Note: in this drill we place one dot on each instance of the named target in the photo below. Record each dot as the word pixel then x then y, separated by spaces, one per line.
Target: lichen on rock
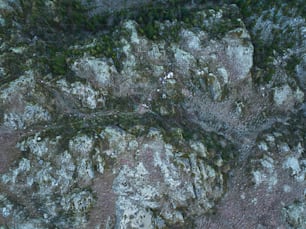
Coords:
pixel 161 173
pixel 295 215
pixel 178 114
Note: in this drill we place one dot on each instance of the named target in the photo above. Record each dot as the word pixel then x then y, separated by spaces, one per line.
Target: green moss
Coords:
pixel 58 64
pixel 14 64
pixel 292 63
pixel 150 17
pixel 64 15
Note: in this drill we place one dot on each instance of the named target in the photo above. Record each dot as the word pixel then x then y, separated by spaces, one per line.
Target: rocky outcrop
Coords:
pixel 295 215
pixel 154 180
pixel 153 125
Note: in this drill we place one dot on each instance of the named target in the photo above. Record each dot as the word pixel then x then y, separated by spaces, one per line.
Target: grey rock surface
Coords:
pixel 295 215
pixel 190 119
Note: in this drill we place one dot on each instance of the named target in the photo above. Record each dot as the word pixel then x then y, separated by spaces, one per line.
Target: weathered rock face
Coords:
pixel 162 181
pixel 154 179
pixel 22 113
pixel 153 125
pixel 295 215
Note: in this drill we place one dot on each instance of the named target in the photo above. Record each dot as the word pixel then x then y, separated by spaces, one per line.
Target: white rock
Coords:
pixel 299 149
pixel 295 214
pixel 4 4
pixel 301 67
pixel 117 139
pixel 192 42
pixel 258 177
pixel 131 27
pixel 263 146
pixel 30 115
pixel 299 95
pixel 18 50
pixel 284 148
pixel 95 70
pixel 65 171
pixel 13 120
pixel 85 169
pixel 199 147
pixel 287 188
pixel 223 74
pixel 18 88
pixel 78 202
pixel 134 217
pixel 268 163
pixel 86 94
pixel 266 173
pixel 184 60
pixel 282 94
pixel 293 164
pixel 81 144
pixel 240 58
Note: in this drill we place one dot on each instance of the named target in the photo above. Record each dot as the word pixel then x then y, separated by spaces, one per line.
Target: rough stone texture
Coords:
pixel 296 215
pixel 151 176
pixel 216 69
pixel 301 70
pixel 188 129
pixel 271 193
pixel 5 7
pixel 163 180
pixel 19 112
pixel 49 178
pixel 101 71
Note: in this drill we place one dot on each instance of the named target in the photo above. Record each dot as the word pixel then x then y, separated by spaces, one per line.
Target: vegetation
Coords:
pixel 265 51
pixel 49 30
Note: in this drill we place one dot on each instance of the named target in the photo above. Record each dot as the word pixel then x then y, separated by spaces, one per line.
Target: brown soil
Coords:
pixel 104 208
pixel 8 151
pixel 247 206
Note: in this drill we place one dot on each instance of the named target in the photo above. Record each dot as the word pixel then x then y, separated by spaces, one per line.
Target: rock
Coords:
pixel 293 164
pixel 6 206
pixel 151 173
pixel 281 95
pixel 4 7
pixel 81 145
pixel 50 175
pixel 191 41
pixel 184 61
pixel 95 70
pixel 199 147
pixel 31 114
pixel 267 175
pixel 129 213
pixel 239 54
pixel 144 133
pixel 38 146
pixel 77 202
pixel 17 89
pixel 285 97
pixel 167 175
pixel 88 97
pixel 301 71
pixel 117 139
pixel 296 214
pixel 22 114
